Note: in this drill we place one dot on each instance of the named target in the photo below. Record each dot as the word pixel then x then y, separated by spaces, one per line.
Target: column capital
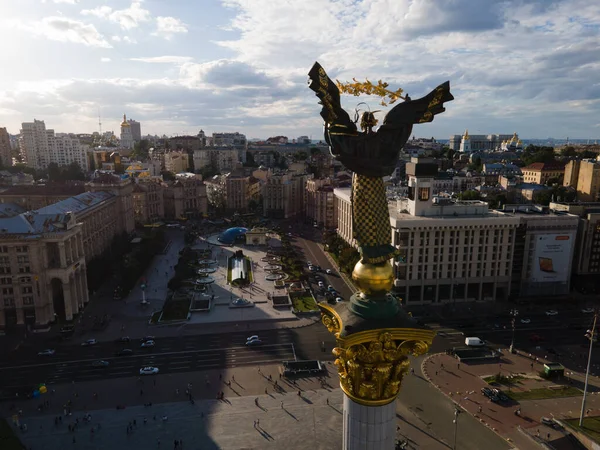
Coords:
pixel 372 356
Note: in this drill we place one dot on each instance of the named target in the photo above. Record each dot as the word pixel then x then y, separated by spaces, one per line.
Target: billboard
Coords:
pixel 551 258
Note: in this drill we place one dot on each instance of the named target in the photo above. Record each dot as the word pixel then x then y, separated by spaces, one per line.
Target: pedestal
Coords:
pixel 369 427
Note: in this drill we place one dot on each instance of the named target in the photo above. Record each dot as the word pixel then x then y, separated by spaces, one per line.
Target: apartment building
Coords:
pixel 148 202
pixel 540 173
pixel 185 198
pixel 5 148
pixel 240 190
pixel 284 194
pixel 177 162
pixel 40 147
pixel 42 269
pixel 584 177
pixel 320 202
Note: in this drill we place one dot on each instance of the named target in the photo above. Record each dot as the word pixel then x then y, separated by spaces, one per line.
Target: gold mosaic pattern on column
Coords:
pixel 371 364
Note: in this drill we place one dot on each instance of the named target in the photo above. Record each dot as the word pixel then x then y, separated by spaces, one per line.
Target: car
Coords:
pixel 124 352
pixel 123 339
pixel 552 312
pixel 329 272
pixel 489 393
pixel 148 370
pixel 587 310
pixel 100 363
pixel 148 344
pixel 339 300
pixel 308 263
pixel 254 342
pixel 251 338
pixel 312 268
pixel 321 284
pixel 47 352
pixel 330 288
pixel 147 338
pixel 526 321
pixel 501 395
pixel 89 342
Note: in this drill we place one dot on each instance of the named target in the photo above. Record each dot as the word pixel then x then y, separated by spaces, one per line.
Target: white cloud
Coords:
pixel 105 60
pixel 164 59
pixel 127 18
pixel 126 39
pixel 71 2
pixel 168 26
pixel 63 29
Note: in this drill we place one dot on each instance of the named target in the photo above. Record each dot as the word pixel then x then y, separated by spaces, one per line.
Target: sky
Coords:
pixel 525 66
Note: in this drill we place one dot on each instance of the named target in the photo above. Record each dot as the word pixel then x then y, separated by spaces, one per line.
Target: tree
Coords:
pixel 300 156
pixel 54 172
pixel 469 195
pixel 168 176
pixel 568 151
pixel 533 154
pixel 141 150
pixel 250 162
pixel 315 151
pixel 475 165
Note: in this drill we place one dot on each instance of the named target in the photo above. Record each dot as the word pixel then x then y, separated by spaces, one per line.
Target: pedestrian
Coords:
pixel 412 370
pixel 134 423
pixel 436 372
pixel 328 401
pixel 480 409
pixel 158 443
pixel 548 436
pixel 141 392
pixel 258 422
pixel 458 366
pixel 299 393
pixel 220 376
pixel 281 405
pixel 266 391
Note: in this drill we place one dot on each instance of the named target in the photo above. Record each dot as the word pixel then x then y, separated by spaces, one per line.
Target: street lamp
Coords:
pixel 591 335
pixel 514 313
pixel 456 414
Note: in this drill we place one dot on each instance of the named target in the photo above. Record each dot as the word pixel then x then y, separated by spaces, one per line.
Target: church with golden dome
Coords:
pixel 126 134
pixel 513 145
pixel 469 143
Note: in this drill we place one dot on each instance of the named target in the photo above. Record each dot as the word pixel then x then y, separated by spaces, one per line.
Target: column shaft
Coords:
pixel 369 427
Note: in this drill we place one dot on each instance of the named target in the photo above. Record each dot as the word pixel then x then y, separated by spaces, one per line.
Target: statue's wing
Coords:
pixel 421 110
pixel 329 94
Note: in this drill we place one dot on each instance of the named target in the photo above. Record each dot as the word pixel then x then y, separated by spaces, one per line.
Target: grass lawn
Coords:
pixel 591 426
pixel 542 393
pixel 502 379
pixel 304 304
pixel 8 438
pixel 155 317
pixel 176 310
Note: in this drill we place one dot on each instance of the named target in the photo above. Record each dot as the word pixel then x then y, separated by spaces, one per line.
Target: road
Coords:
pixel 170 355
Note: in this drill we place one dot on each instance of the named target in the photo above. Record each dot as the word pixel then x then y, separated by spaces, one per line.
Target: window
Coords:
pixel 22 249
pixel 23 259
pixel 3 249
pixel 25 279
pixel 6 280
pixel 28 300
pixel 8 302
pixel 24 269
pixel 7 291
pixel 4 261
pixel 4 270
pixel 423 194
pixel 26 290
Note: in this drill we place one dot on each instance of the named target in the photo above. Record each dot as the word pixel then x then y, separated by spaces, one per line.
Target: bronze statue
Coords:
pixel 372 155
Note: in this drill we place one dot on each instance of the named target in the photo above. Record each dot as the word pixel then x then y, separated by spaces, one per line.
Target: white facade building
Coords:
pixel 67 149
pixel 40 147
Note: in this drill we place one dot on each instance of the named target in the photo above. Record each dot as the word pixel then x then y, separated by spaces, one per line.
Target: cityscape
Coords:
pixel 191 255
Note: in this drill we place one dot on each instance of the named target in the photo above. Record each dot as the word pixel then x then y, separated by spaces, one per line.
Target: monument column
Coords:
pixel 374 335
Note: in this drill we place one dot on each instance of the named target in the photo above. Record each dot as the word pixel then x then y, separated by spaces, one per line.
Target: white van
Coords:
pixel 474 342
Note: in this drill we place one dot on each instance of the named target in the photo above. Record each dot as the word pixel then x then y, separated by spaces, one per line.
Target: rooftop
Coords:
pixel 539 166
pixel 10 210
pixel 48 189
pixel 76 204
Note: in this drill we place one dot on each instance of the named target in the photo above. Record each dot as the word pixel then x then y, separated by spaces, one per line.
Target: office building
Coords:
pixel 478 142
pixel 240 190
pixel 148 202
pixel 284 194
pixel 185 198
pixel 177 161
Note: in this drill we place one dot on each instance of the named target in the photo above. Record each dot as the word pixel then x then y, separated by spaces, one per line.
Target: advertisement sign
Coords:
pixel 551 258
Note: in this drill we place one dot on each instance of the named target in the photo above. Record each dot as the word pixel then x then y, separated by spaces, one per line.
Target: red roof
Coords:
pixel 539 167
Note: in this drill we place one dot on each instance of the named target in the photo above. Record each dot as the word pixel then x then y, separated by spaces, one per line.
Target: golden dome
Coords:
pixel 374 279
pixel 124 123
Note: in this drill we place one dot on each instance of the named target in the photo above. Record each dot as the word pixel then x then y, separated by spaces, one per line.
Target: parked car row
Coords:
pixel 495 395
